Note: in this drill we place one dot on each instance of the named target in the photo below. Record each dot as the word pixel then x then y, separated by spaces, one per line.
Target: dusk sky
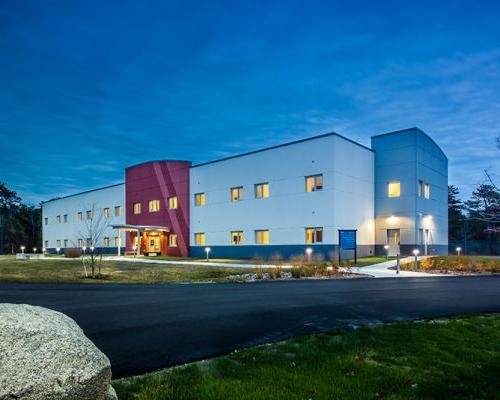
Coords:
pixel 90 87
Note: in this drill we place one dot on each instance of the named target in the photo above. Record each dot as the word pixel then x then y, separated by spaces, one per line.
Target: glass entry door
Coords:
pixel 393 239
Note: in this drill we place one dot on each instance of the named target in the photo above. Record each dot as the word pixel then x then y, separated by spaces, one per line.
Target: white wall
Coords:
pixel 346 201
pixel 107 197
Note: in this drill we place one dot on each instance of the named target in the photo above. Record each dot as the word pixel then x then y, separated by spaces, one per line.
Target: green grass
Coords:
pixel 366 261
pixel 71 271
pixel 442 359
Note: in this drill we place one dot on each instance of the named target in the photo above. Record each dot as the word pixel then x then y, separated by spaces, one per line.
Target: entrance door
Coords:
pixel 393 239
pixel 154 244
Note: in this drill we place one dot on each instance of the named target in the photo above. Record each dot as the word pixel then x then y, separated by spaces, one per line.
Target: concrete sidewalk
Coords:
pixel 382 270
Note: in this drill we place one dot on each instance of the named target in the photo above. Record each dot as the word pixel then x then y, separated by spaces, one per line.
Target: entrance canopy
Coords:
pixel 141 228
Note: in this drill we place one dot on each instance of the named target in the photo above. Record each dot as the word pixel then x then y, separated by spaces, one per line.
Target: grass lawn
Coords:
pixel 366 261
pixel 70 270
pixel 457 265
pixel 438 359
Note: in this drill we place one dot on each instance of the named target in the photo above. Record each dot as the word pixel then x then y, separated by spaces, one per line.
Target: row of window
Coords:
pixel 394 189
pixel 312 235
pixel 89 215
pixel 154 205
pixel 106 242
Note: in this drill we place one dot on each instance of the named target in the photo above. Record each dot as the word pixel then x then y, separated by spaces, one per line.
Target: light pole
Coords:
pixel 22 249
pixel 416 252
pixel 84 248
pixel 309 251
pixel 43 250
pixel 386 247
pixel 207 251
pixel 34 250
pixel 459 249
pixel 58 249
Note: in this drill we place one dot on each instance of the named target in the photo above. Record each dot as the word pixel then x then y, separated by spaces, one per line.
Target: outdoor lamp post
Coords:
pixel 43 250
pixel 34 250
pixel 309 252
pixel 386 247
pixel 22 249
pixel 459 249
pixel 416 252
pixel 84 248
pixel 207 251
pixel 58 249
pixel 92 248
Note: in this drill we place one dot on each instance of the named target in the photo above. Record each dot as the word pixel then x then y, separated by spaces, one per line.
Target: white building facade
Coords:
pixel 326 193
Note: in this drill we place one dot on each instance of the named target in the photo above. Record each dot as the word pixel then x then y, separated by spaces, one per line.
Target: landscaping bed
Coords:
pixel 457 358
pixel 456 265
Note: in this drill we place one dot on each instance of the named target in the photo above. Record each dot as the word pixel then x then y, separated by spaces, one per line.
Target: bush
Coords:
pixel 72 253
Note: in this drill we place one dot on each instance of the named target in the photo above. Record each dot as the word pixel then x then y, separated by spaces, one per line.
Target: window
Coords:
pixel 118 211
pixel 262 237
pixel 394 189
pixel 46 221
pixel 262 190
pixel 107 214
pixel 66 242
pixel 58 243
pixel 89 214
pixel 154 205
pixel 172 202
pixel 118 241
pixel 58 219
pixel 237 237
pixel 46 244
pixel 79 216
pixel 427 191
pixel 314 235
pixel 199 239
pixel 237 193
pixel 420 188
pixel 172 240
pixel 137 208
pixel 65 218
pixel 106 242
pixel 199 199
pixel 80 242
pixel 314 183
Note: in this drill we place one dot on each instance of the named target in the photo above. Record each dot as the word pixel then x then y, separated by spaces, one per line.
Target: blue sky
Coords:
pixel 90 87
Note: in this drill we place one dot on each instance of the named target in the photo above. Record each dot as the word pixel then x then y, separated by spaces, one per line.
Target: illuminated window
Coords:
pixel 314 183
pixel 420 188
pixel 172 202
pixel 46 221
pixel 106 242
pixel 199 239
pixel 58 243
pixel 172 240
pixel 106 213
pixel 427 191
pixel 314 235
pixel 237 237
pixel 199 199
pixel 89 214
pixel 58 219
pixel 118 241
pixel 65 218
pixel 137 208
pixel 66 241
pixel 262 237
pixel 262 190
pixel 80 242
pixel 118 211
pixel 79 216
pixel 154 205
pixel 394 189
pixel 237 193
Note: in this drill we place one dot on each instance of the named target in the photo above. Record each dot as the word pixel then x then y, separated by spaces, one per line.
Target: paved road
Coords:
pixel 146 327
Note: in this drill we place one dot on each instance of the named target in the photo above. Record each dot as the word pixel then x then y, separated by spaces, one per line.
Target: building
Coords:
pixel 327 193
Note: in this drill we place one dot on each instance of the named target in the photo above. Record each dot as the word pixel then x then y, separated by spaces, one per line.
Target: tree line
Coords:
pixel 20 224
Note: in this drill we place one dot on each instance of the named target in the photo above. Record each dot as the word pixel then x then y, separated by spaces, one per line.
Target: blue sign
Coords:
pixel 347 240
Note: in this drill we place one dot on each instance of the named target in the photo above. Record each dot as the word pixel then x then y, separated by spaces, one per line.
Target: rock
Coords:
pixel 45 355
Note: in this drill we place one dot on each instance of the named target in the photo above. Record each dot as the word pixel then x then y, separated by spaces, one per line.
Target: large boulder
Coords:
pixel 45 355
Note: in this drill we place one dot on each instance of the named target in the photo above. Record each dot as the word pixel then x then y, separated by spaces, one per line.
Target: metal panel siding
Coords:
pixel 73 230
pixel 160 180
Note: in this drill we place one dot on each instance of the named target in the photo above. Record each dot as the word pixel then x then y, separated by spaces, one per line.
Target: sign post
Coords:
pixel 347 241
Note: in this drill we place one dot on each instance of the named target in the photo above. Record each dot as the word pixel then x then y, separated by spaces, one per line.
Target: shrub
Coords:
pixel 72 252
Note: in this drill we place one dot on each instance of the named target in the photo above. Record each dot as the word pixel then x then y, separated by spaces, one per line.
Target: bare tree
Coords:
pixel 95 224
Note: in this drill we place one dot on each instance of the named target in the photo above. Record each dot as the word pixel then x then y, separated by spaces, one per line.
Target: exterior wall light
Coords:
pixel 392 220
pixel 458 249
pixel 207 251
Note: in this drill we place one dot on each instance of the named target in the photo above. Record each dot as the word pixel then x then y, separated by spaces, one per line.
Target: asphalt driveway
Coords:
pixel 146 327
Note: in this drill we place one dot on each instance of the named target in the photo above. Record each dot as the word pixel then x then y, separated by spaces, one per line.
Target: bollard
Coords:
pixel 398 261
